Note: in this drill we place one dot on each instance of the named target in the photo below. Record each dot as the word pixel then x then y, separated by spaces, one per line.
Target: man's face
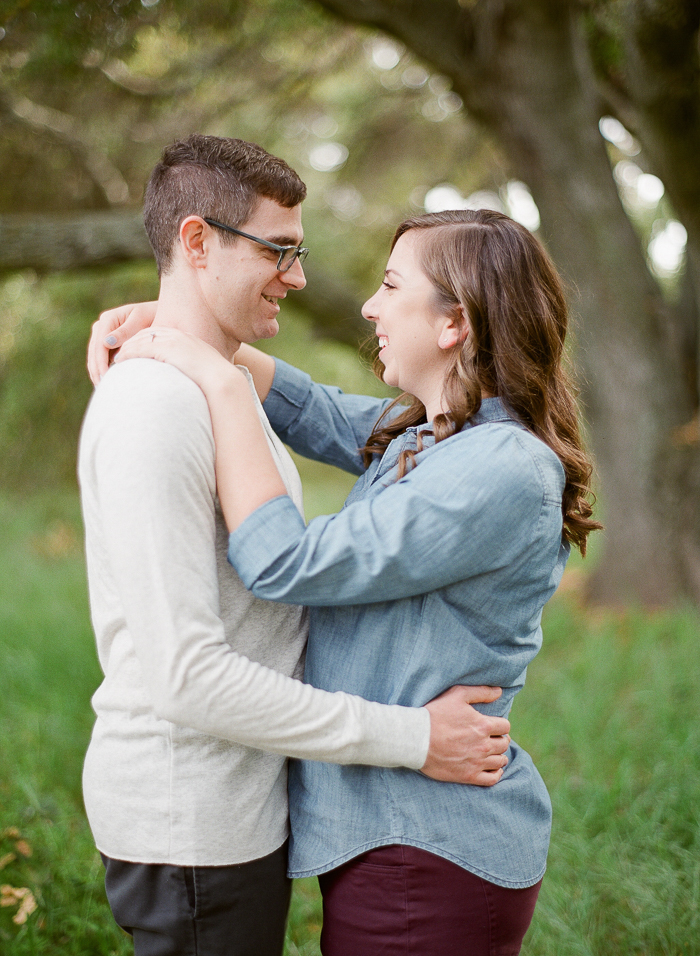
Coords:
pixel 243 285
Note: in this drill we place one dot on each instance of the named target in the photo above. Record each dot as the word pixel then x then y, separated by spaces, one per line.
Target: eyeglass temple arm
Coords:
pixel 246 235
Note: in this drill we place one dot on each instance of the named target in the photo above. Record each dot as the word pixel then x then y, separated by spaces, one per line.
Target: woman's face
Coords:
pixel 415 338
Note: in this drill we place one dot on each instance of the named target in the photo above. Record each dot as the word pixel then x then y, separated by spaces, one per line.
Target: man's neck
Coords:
pixel 180 307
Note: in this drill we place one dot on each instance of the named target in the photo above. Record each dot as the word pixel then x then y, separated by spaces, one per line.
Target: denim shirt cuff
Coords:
pixel 287 396
pixel 263 537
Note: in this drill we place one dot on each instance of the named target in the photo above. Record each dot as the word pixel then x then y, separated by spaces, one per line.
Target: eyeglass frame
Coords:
pixel 300 252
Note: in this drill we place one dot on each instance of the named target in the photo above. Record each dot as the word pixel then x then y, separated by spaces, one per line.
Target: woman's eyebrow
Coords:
pixel 387 271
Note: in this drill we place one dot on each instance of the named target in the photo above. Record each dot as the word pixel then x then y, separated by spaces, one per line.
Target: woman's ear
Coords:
pixel 454 330
pixel 193 237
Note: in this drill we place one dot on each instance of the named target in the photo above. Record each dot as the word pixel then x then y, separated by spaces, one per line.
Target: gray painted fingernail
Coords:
pixel 110 341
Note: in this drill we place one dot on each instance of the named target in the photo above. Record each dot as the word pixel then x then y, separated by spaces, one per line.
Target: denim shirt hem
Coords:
pixel 319 870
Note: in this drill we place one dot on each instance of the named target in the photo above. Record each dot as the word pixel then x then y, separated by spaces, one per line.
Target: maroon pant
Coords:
pixel 402 901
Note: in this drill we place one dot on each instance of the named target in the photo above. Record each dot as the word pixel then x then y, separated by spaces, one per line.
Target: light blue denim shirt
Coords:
pixel 418 584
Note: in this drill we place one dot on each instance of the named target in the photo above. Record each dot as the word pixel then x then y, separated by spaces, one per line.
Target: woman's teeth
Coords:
pixel 383 341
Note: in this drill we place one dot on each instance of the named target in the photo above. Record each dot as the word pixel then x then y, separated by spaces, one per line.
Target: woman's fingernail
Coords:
pixel 110 341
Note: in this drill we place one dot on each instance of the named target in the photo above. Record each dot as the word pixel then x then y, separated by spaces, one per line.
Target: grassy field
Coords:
pixel 610 714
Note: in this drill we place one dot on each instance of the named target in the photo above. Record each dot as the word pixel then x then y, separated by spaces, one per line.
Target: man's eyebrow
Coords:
pixel 285 241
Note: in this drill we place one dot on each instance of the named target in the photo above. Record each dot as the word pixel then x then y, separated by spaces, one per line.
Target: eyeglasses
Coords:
pixel 288 254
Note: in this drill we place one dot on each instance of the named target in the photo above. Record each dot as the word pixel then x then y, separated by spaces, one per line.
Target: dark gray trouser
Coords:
pixel 238 910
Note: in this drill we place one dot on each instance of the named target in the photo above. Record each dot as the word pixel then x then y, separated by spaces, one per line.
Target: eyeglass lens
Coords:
pixel 288 257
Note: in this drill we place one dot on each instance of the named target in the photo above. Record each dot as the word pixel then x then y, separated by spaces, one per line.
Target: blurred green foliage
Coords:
pixel 44 388
pixel 90 94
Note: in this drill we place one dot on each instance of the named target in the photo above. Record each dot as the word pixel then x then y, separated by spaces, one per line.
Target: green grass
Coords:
pixel 610 714
pixel 48 671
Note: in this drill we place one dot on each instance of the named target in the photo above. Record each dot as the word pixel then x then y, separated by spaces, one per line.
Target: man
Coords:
pixel 185 776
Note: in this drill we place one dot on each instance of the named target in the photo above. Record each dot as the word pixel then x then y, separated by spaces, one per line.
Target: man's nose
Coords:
pixel 294 277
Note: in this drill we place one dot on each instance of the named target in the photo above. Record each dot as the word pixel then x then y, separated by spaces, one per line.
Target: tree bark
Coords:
pixel 522 68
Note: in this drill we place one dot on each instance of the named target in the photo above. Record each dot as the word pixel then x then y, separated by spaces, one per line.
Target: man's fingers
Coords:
pixel 487 778
pixel 496 726
pixel 466 746
pixel 492 761
pixel 499 745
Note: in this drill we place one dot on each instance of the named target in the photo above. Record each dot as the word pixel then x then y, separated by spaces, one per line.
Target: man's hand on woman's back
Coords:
pixel 465 745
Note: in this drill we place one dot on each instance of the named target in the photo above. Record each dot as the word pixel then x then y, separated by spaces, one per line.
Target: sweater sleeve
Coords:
pixel 148 453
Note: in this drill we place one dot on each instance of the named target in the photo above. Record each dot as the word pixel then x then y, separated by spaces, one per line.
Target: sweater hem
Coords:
pixel 176 860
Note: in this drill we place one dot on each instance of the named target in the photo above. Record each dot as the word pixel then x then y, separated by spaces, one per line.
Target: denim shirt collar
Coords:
pixel 491 410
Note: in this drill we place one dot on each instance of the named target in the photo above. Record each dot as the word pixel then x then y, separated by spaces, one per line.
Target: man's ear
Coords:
pixel 194 237
pixel 454 329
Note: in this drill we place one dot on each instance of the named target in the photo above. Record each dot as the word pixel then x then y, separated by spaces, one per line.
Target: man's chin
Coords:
pixel 268 330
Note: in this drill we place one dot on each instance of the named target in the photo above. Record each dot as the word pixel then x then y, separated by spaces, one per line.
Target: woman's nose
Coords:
pixel 368 309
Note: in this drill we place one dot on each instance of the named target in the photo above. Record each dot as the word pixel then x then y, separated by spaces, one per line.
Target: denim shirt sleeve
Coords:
pixel 321 421
pixel 477 503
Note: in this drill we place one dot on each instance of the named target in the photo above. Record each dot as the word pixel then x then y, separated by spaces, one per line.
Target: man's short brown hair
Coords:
pixel 213 177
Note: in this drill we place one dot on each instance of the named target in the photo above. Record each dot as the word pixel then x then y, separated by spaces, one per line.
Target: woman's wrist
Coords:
pixel 228 379
pixel 227 390
pixel 221 380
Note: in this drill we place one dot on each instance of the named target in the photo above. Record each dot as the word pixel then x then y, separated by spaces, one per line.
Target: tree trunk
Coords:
pixel 548 122
pixel 522 69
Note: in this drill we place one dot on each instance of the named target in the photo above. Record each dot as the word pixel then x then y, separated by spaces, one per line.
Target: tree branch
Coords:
pixel 334 306
pixel 55 243
pixel 416 24
pixel 65 130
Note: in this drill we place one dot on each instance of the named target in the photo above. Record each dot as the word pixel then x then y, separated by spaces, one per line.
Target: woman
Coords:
pixel 434 573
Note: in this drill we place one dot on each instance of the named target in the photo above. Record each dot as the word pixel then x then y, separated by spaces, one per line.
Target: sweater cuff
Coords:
pixel 396 736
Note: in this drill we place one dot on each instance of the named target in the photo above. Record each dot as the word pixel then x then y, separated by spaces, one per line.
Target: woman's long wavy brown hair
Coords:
pixel 513 298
